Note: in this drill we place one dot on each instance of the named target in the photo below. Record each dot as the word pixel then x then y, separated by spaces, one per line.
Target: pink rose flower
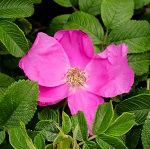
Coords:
pixel 65 66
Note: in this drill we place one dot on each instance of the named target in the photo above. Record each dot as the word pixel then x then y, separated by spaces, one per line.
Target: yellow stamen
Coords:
pixel 75 77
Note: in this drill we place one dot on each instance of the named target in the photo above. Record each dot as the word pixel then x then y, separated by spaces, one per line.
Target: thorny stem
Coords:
pixel 91 138
pixel 105 40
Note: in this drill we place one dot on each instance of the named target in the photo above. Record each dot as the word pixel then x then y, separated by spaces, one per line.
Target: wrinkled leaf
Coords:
pixel 146 133
pixel 90 6
pixel 48 128
pixel 138 61
pixel 121 125
pixel 57 23
pixel 80 121
pixel 139 105
pixel 5 80
pixel 20 100
pixel 103 117
pixel 134 33
pixel 48 114
pixel 106 142
pixel 13 38
pixel 132 137
pixel 88 24
pixel 16 8
pixel 2 136
pixel 115 12
pixel 90 145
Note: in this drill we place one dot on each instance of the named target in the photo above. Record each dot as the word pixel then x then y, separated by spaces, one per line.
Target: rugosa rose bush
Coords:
pixel 65 66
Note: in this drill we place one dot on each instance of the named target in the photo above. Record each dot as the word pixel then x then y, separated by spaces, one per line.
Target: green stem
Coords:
pixel 105 40
pixel 91 138
pixel 65 103
pixel 148 84
pixel 75 9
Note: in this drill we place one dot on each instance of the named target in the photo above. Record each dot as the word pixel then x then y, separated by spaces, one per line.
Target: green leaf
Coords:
pixel 57 23
pixel 5 80
pixel 2 136
pixel 132 137
pixel 20 100
pixel 11 62
pixel 49 146
pixel 24 24
pixel 75 135
pixel 48 114
pixel 16 8
pixel 140 3
pixel 139 105
pixel 138 61
pixel 39 142
pixel 106 142
pixel 83 125
pixel 48 128
pixel 88 24
pixel 80 121
pixel 134 33
pixel 13 38
pixel 17 139
pixel 115 12
pixel 3 50
pixel 63 3
pixel 103 117
pixel 90 145
pixel 146 133
pixel 58 139
pixel 63 141
pixel 66 123
pixel 90 6
pixel 74 2
pixel 121 125
pixel 122 138
pixel 66 143
pixel 139 79
pixel 96 49
pixel 31 133
pixel 2 91
pixel 27 138
pixel 37 1
pixel 146 16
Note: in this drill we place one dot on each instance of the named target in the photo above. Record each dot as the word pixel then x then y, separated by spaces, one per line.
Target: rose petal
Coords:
pixel 77 45
pixel 86 102
pixel 109 72
pixel 114 53
pixel 52 95
pixel 46 61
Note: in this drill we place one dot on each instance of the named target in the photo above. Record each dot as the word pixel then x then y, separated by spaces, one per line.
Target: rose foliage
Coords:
pixel 65 66
pixel 79 79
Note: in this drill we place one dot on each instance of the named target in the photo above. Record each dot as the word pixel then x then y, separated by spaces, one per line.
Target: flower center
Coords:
pixel 75 77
